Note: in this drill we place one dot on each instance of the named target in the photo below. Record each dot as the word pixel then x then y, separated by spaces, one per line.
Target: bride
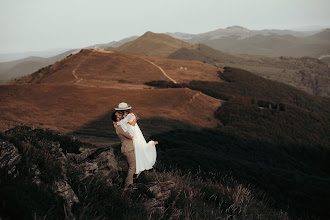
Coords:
pixel 145 153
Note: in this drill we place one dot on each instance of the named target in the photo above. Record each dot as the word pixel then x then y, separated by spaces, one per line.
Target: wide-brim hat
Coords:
pixel 123 106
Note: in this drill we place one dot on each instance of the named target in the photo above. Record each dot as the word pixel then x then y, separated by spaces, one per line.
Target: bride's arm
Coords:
pixel 131 118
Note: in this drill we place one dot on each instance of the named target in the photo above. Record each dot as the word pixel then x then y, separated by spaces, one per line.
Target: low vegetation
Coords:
pixel 266 159
pixel 183 195
pixel 270 135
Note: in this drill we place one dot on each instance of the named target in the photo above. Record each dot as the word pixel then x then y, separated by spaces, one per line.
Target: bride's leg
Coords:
pixel 137 176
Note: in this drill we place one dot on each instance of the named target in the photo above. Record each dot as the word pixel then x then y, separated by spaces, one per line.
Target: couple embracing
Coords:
pixel 139 154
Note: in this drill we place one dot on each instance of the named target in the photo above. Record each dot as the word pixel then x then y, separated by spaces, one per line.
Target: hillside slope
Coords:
pixel 271 136
pixel 76 180
pixel 155 45
pixel 18 68
pixel 238 40
pixel 68 108
pixel 117 69
pixel 308 74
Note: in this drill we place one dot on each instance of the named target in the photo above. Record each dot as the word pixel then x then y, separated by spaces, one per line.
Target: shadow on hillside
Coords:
pixel 101 131
pixel 295 178
pixel 283 153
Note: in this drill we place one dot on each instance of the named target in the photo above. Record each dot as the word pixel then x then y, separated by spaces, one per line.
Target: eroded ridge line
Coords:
pixel 160 69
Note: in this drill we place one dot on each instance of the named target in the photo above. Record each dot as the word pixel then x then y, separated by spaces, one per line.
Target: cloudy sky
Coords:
pixel 38 25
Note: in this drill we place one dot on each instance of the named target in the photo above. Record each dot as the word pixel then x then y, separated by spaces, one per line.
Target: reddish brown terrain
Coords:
pixel 305 73
pixel 118 69
pixel 78 94
pixel 155 45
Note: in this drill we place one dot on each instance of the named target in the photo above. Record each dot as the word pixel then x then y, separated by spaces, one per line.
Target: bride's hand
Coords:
pixel 132 122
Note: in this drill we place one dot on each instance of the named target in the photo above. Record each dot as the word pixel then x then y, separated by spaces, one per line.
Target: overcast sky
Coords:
pixel 38 25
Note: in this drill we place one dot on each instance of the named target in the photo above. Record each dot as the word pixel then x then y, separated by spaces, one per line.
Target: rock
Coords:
pixel 85 153
pixel 100 162
pixel 62 188
pixel 162 190
pixel 36 178
pixel 88 169
pixel 9 157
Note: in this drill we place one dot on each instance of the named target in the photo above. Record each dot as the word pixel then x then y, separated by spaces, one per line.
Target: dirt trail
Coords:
pixel 160 69
pixel 79 64
pixel 75 69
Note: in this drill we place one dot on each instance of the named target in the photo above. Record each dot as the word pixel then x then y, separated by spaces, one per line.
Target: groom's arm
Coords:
pixel 128 133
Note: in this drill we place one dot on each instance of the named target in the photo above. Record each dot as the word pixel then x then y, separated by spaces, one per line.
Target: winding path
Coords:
pixel 75 69
pixel 161 69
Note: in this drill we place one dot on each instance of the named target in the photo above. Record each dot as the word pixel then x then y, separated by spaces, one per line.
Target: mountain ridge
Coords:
pixel 91 67
pixel 152 44
pixel 308 74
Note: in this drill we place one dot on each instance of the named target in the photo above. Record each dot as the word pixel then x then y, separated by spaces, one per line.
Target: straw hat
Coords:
pixel 123 106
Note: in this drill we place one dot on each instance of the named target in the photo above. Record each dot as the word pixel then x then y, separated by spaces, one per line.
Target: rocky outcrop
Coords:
pixel 100 162
pixel 9 157
pixel 161 192
pixel 96 161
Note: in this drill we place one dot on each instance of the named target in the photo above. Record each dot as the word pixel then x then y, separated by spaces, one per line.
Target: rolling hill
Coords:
pixel 87 110
pixel 92 67
pixel 107 78
pixel 270 135
pixel 155 45
pixel 239 40
pixel 22 67
pixel 308 74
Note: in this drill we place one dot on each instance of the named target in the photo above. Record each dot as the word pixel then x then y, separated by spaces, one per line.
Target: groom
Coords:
pixel 127 147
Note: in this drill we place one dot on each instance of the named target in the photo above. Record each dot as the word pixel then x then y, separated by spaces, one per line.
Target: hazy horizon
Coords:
pixel 39 25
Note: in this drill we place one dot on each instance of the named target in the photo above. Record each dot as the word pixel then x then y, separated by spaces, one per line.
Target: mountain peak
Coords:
pixel 149 34
pixel 237 28
pixel 154 44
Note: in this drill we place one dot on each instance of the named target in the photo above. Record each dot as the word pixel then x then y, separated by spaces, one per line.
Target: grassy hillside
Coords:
pixel 22 67
pixel 159 195
pixel 155 45
pixel 308 74
pixel 99 68
pixel 271 135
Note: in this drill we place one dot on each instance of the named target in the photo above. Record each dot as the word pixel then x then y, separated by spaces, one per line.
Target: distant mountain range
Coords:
pixel 308 74
pixel 218 48
pixel 239 40
pixel 18 68
pixel 268 42
pixel 8 57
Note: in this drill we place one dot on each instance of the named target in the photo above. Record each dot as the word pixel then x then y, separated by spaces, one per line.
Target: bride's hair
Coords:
pixel 114 117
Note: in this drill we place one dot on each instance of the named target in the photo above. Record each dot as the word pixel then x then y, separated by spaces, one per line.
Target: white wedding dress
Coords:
pixel 145 153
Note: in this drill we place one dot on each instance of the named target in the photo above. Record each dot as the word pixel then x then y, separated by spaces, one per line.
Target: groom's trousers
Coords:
pixel 130 156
